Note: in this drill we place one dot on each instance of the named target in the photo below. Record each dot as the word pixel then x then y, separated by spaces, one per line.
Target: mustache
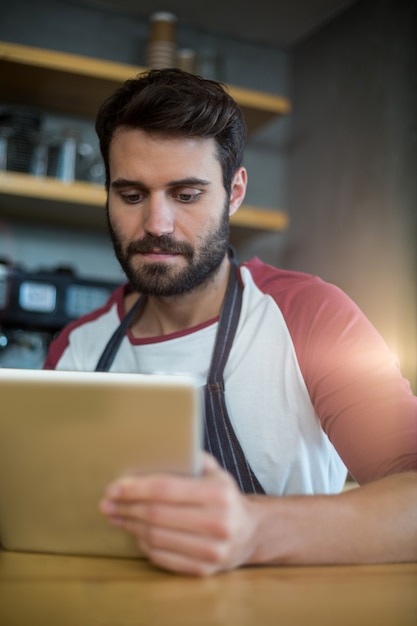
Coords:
pixel 150 243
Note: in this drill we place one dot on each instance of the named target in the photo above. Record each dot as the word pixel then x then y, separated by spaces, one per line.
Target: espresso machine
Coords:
pixel 36 305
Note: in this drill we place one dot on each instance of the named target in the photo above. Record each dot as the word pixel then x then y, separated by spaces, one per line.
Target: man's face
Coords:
pixel 168 211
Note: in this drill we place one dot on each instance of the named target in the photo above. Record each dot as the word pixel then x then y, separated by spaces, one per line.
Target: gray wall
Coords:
pixel 353 171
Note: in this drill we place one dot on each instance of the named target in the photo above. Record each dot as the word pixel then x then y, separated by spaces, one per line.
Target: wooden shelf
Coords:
pixel 69 83
pixel 74 85
pixel 48 198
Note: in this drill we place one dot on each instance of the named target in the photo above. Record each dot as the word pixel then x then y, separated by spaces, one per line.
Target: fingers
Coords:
pixel 187 544
pixel 187 524
pixel 198 506
pixel 182 564
pixel 170 487
pixel 211 518
pixel 174 549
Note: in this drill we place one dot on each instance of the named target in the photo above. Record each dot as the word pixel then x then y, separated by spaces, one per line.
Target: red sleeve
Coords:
pixel 61 342
pixel 56 349
pixel 365 406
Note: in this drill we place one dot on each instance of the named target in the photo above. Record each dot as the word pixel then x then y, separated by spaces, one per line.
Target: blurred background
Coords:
pixel 340 164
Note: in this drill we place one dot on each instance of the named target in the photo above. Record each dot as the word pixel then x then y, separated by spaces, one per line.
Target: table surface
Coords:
pixel 62 590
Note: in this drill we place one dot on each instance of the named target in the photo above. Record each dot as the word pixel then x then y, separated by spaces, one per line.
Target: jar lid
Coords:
pixel 163 16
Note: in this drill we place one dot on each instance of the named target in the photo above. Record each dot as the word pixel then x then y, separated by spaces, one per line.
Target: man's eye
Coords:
pixel 132 198
pixel 188 197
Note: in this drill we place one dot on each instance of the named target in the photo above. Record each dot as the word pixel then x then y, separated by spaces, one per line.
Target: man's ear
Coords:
pixel 238 192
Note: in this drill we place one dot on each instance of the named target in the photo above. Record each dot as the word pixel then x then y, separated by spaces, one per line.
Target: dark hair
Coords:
pixel 174 102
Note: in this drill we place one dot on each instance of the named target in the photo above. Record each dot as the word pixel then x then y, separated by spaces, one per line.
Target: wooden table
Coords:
pixel 76 591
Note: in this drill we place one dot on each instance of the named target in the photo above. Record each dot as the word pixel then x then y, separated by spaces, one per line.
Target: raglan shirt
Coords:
pixel 311 387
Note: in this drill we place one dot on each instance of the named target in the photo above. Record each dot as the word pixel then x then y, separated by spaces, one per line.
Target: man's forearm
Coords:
pixel 370 524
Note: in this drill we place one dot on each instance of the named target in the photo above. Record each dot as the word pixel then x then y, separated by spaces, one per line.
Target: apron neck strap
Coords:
pixel 106 359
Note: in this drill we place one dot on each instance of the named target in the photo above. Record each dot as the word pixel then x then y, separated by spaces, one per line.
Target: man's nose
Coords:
pixel 159 217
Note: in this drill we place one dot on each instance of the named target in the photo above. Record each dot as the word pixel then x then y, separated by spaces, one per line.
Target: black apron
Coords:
pixel 219 437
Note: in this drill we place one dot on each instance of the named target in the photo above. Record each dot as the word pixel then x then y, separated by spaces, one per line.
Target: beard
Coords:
pixel 161 279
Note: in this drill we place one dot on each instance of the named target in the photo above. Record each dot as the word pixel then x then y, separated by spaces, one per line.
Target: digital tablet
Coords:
pixel 64 436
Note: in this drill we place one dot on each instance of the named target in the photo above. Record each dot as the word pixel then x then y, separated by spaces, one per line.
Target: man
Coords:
pixel 298 384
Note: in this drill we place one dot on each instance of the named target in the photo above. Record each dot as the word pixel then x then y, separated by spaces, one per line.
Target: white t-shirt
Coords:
pixel 308 382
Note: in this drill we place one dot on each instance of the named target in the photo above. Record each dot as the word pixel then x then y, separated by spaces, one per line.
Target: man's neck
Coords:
pixel 164 316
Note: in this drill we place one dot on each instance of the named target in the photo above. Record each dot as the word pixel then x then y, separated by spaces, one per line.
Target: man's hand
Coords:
pixel 205 525
pixel 189 525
